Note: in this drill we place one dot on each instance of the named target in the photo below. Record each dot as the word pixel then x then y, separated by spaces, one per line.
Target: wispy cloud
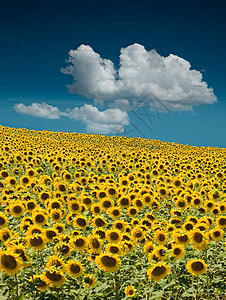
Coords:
pixel 112 120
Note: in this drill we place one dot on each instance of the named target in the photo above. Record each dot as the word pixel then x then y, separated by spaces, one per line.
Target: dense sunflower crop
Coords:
pixel 96 217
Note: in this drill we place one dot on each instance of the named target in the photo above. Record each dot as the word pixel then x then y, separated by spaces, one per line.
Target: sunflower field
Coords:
pixel 87 216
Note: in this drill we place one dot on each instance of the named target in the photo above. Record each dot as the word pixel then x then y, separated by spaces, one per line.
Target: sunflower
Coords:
pixel 37 241
pixel 130 291
pixel 187 226
pixel 101 194
pixel 137 233
pixel 113 248
pixel 113 235
pixel 12 181
pixel 216 234
pixel 112 192
pixel 149 247
pixel 198 238
pixel 35 229
pixel 21 251
pixel 106 203
pixel 181 238
pixel 132 211
pixel 5 234
pixel 158 271
pixel 98 222
pixel 177 251
pixel 24 180
pixel 86 200
pixel 53 277
pixel 147 198
pixel 63 248
pixel 123 202
pixel 50 233
pixel 55 261
pixel 159 252
pixel 96 209
pixel 81 222
pixel 17 209
pixel 89 281
pixel 55 204
pixel 39 283
pixel 31 205
pixel 60 227
pixel 100 232
pixel 39 217
pixel 120 225
pixel 161 237
pixel 74 268
pixel 220 221
pixel 79 243
pixel 115 213
pixel 10 262
pixel 94 243
pixel 196 267
pixel 3 220
pixel 56 215
pixel 108 262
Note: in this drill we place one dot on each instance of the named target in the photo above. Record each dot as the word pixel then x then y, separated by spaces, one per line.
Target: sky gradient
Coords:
pixel 36 37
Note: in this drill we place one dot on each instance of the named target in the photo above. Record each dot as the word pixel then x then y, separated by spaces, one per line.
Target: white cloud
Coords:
pixel 41 110
pixel 170 79
pixel 108 121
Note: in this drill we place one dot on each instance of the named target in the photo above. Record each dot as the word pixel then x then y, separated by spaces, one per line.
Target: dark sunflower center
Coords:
pixel 53 276
pixel 30 205
pixel 102 194
pixel 216 234
pixel 8 261
pixel 95 243
pixel 114 236
pixel 87 201
pixel 74 268
pixel 39 218
pixel 198 237
pixel 17 209
pixel 114 249
pixel 162 237
pixel 159 270
pixel 133 211
pixel 197 266
pixel 81 222
pixel 2 221
pixel 79 242
pixel 108 261
pixel 183 239
pixel 124 201
pixel 188 226
pixel 99 222
pixel 112 191
pixel 36 241
pixel 96 209
pixel 62 188
pixel 177 251
pixel 50 234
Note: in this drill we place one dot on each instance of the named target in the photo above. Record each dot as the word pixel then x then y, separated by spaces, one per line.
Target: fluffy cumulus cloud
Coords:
pixel 109 121
pixel 142 76
pixel 41 110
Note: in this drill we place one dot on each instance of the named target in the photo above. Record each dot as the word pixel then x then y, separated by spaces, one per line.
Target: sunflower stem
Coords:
pixel 116 285
pixel 17 287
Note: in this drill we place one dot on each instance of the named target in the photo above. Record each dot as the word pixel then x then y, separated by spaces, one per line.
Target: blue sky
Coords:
pixel 36 37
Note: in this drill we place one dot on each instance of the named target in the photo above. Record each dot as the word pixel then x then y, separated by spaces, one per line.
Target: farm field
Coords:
pixel 88 216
